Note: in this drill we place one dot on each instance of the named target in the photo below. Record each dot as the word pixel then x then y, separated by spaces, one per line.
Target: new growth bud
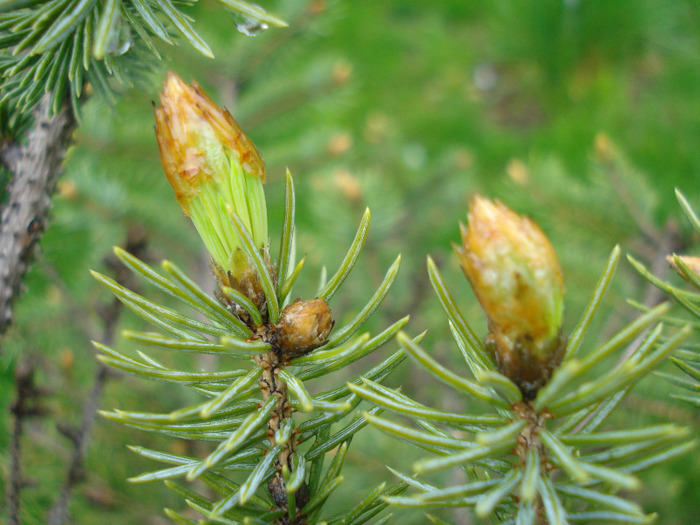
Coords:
pixel 303 327
pixel 214 169
pixel 516 278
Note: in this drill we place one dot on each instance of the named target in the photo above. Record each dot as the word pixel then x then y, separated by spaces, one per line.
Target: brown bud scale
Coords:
pixel 303 327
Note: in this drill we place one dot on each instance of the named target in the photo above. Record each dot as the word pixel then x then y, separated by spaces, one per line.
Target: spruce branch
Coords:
pixel 540 452
pixel 277 346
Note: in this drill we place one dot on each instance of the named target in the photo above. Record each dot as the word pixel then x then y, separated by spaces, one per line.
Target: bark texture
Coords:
pixel 35 165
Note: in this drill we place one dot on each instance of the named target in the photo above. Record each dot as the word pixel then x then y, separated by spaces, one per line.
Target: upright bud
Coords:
pixel 214 169
pixel 516 278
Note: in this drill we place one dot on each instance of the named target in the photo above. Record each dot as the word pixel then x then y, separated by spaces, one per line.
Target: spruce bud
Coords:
pixel 303 327
pixel 516 278
pixel 214 168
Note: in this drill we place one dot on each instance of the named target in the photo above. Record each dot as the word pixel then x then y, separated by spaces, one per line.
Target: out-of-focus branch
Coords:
pixel 614 167
pixel 110 314
pixel 669 242
pixel 59 512
pixel 26 404
pixel 35 166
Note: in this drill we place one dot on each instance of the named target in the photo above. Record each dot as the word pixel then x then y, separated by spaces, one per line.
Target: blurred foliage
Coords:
pixel 583 115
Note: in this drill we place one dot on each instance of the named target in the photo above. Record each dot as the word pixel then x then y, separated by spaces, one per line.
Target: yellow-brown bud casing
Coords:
pixel 186 119
pixel 215 170
pixel 516 278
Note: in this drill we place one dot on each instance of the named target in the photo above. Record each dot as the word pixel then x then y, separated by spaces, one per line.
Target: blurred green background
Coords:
pixel 582 114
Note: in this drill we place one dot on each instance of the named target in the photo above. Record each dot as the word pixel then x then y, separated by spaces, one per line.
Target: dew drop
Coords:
pixel 124 42
pixel 120 40
pixel 250 26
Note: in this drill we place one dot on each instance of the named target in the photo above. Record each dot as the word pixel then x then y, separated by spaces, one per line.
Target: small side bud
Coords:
pixel 516 278
pixel 303 327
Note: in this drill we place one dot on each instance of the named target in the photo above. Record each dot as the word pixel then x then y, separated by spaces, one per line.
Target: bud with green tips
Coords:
pixel 516 278
pixel 215 170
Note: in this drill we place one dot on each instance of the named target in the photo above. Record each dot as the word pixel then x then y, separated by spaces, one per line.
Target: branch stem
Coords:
pixel 528 439
pixel 272 385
